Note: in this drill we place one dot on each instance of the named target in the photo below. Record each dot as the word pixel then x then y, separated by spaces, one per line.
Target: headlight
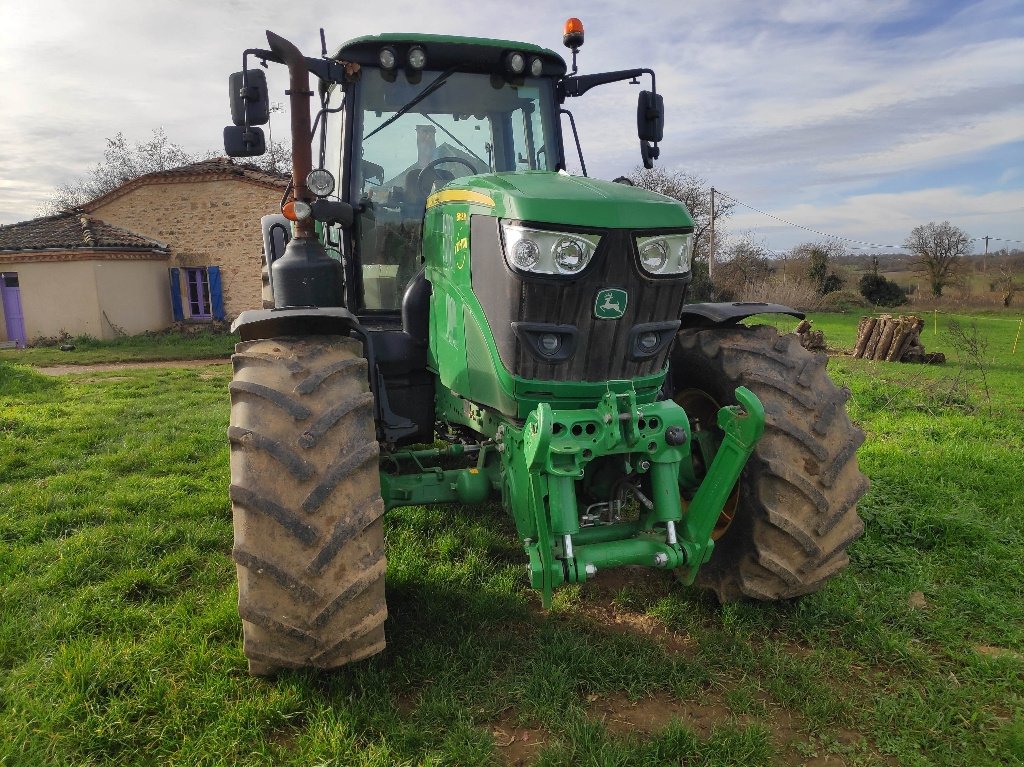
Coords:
pixel 666 254
pixel 320 182
pixel 542 252
pixel 516 62
pixel 417 57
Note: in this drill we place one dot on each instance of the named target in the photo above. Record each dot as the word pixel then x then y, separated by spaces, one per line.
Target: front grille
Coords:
pixel 603 348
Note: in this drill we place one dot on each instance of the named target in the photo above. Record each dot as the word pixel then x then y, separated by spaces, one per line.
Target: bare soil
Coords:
pixel 105 367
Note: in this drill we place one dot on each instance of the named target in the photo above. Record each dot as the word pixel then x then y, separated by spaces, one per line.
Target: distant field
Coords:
pixel 120 643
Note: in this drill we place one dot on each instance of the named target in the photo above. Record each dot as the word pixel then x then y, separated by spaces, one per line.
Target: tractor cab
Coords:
pixel 419 112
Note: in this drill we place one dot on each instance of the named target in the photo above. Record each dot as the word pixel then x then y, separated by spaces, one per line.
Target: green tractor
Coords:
pixel 458 320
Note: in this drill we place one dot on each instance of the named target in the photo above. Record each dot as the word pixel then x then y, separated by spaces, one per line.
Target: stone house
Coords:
pixel 181 244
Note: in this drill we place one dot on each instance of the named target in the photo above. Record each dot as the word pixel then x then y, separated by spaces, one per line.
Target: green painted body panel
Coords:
pixel 558 198
pixel 461 347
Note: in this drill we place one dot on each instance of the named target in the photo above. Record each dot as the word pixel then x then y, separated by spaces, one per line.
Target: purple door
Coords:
pixel 10 294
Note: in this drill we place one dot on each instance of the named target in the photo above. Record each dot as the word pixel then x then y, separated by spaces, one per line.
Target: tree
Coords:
pixel 695 193
pixel 881 291
pixel 818 256
pixel 123 161
pixel 937 251
pixel 744 265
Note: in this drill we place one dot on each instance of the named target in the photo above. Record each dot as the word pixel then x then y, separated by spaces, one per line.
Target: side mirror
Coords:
pixel 649 153
pixel 240 141
pixel 650 116
pixel 250 103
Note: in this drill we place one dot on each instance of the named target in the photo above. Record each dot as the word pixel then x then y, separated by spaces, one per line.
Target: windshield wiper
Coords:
pixel 437 83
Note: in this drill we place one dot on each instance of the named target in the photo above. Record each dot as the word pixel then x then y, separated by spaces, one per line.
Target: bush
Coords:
pixel 842 301
pixel 881 291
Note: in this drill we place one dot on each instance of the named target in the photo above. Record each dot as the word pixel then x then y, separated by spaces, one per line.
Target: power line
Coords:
pixel 840 237
pixel 806 228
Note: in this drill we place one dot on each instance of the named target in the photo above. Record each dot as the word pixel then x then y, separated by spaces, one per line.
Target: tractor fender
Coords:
pixel 254 324
pixel 722 315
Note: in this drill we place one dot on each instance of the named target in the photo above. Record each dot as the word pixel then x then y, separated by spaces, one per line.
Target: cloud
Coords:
pixel 816 110
pixel 887 218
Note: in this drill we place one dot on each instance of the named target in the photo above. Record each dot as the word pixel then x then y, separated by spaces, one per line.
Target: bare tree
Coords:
pixel 122 162
pixel 937 250
pixel 744 265
pixel 695 193
pixel 819 257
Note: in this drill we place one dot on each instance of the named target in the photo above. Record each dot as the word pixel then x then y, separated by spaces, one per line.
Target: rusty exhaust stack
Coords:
pixel 305 275
pixel 299 94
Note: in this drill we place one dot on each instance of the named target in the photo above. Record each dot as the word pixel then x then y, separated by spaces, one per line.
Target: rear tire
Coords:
pixel 306 504
pixel 798 493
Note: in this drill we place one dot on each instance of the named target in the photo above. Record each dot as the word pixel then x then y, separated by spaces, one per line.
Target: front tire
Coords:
pixel 798 493
pixel 306 504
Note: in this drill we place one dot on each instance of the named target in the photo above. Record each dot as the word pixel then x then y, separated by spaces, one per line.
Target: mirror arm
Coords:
pixel 577 85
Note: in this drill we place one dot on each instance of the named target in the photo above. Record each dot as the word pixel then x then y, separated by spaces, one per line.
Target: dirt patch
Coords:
pixel 599 608
pixel 794 740
pixel 998 652
pixel 622 716
pixel 616 620
pixel 517 746
pixel 61 370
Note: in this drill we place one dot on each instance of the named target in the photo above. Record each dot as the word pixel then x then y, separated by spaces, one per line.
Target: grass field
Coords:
pixel 120 644
pixel 89 351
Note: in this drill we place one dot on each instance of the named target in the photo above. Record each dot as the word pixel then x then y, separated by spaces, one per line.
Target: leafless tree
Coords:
pixel 938 250
pixel 744 264
pixel 695 193
pixel 124 161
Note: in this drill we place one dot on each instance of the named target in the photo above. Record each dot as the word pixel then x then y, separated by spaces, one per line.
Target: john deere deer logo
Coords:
pixel 610 303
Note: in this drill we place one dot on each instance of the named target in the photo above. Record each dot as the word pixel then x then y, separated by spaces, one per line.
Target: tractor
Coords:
pixel 456 319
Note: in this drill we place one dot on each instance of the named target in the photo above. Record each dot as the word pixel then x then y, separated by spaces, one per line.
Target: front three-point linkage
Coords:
pixel 546 459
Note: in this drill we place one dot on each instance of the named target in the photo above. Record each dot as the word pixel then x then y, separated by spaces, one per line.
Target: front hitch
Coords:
pixel 742 426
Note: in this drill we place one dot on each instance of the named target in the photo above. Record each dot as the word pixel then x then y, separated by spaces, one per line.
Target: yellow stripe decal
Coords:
pixel 459 195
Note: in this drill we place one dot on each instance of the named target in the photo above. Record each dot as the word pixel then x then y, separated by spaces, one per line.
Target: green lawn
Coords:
pixel 89 351
pixel 120 644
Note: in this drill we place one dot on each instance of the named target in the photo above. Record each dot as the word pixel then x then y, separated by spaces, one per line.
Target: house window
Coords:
pixel 197 288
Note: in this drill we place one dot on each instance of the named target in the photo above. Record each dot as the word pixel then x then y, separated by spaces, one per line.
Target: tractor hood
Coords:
pixel 558 198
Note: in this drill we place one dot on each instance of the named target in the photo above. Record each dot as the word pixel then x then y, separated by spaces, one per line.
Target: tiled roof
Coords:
pixel 71 231
pixel 220 166
pixel 214 169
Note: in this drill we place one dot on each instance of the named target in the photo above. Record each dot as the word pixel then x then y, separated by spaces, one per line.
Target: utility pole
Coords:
pixel 711 243
pixel 984 259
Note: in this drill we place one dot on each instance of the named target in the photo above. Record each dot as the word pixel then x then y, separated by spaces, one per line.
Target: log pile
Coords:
pixel 812 340
pixel 893 339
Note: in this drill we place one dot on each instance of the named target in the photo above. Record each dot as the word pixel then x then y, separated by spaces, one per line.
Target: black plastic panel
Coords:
pixel 603 349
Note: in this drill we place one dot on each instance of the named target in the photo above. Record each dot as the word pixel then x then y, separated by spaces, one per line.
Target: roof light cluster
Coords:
pixel 516 64
pixel 415 58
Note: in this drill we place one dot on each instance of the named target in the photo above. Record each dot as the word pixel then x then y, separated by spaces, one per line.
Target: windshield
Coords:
pixel 458 125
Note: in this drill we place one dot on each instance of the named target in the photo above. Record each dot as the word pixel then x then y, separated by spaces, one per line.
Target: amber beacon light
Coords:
pixel 573 34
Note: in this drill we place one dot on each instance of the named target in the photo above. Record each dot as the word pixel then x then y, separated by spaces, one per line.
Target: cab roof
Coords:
pixel 463 54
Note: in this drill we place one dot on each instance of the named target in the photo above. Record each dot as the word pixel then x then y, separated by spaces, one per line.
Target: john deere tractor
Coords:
pixel 458 320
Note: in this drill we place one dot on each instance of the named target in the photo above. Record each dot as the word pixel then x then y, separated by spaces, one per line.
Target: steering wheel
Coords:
pixel 428 175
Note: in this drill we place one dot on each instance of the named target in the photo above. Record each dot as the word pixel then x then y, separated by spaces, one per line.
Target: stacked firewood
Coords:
pixel 893 339
pixel 812 340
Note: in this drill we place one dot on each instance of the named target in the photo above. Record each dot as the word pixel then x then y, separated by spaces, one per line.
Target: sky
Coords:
pixel 855 118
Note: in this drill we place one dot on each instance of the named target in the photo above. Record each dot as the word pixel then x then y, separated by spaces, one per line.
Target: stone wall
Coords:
pixel 206 222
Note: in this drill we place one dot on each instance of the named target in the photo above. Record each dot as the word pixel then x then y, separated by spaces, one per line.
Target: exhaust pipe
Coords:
pixel 305 275
pixel 299 94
